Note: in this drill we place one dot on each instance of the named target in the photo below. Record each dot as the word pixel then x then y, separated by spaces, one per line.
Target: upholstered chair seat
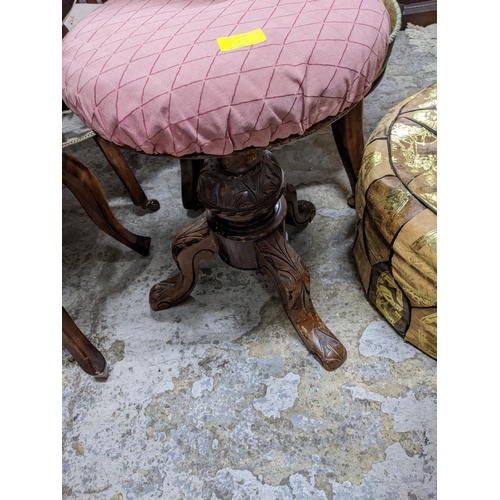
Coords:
pixel 149 74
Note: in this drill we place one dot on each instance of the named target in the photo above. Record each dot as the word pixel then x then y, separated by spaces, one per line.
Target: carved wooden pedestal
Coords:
pixel 246 201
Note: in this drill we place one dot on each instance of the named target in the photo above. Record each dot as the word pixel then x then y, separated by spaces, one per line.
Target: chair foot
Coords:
pixel 152 205
pixel 351 201
pixel 89 358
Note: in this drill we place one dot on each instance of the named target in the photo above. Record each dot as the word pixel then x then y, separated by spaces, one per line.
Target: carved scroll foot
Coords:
pixel 299 212
pixel 190 246
pixel 285 268
pixel 87 190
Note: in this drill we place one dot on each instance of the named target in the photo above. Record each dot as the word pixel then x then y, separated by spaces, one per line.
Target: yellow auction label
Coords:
pixel 242 40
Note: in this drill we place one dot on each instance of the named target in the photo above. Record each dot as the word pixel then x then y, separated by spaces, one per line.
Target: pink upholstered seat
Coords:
pixel 149 74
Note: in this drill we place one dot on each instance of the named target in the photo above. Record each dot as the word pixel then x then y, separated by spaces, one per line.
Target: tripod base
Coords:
pixel 244 223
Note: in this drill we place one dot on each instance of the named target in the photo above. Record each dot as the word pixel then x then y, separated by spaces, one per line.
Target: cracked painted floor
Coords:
pixel 218 398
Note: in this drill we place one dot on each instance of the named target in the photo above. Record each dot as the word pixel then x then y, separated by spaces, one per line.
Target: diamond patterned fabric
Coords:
pixel 149 73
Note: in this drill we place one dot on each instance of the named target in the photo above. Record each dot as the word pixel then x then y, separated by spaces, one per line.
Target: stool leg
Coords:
pixel 299 212
pixel 190 246
pixel 122 169
pixel 286 269
pixel 83 351
pixel 348 134
pixel 84 185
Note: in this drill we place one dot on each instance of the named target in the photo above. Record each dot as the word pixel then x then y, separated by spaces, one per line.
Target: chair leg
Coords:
pixel 83 351
pixel 348 134
pixel 190 173
pixel 85 186
pixel 122 169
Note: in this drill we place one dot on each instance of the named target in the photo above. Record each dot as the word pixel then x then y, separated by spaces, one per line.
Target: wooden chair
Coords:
pixel 85 187
pixel 80 180
pixel 110 150
pixel 177 93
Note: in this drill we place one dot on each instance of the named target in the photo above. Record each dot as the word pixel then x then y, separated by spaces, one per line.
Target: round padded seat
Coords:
pixel 149 74
pixel 396 207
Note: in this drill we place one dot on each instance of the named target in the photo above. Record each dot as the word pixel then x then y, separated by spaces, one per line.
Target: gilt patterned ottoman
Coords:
pixel 396 212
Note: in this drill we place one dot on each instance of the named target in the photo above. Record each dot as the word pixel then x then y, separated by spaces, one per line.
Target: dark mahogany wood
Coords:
pixel 418 12
pixel 122 169
pixel 84 185
pixel 299 212
pixel 83 351
pixel 67 5
pixel 245 198
pixel 348 134
pixel 190 173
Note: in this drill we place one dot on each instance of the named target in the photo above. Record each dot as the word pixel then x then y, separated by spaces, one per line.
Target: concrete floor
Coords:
pixel 218 398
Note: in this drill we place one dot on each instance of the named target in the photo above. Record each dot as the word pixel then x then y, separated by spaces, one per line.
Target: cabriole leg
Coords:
pixel 287 271
pixel 87 190
pixel 89 358
pixel 190 246
pixel 348 134
pixel 125 174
